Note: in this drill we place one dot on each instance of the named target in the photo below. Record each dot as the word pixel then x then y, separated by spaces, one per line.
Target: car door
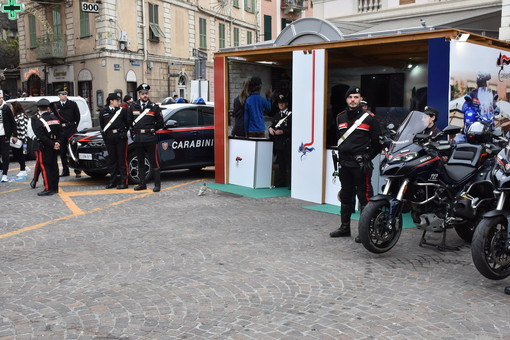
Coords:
pixel 206 121
pixel 176 142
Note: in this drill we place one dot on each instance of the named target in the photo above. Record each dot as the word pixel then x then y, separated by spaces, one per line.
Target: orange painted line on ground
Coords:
pixel 63 218
pixel 70 203
pixel 8 191
pixel 103 192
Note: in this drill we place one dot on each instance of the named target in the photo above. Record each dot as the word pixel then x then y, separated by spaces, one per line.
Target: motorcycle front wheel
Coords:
pixel 488 248
pixel 375 232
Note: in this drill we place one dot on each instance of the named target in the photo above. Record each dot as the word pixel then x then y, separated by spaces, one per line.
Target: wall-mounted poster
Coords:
pixel 479 85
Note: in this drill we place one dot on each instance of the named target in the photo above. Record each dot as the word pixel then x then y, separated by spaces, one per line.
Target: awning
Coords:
pixel 483 21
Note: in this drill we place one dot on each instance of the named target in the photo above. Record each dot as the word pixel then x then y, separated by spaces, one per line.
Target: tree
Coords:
pixel 9 50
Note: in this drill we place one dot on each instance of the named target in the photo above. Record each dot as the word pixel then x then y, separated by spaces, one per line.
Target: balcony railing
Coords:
pixel 294 5
pixel 51 50
pixel 369 6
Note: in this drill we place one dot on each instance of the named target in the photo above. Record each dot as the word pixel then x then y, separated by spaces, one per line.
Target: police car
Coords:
pixel 186 142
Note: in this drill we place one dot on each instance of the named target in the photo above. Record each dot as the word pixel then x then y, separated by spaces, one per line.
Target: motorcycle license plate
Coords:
pixel 85 156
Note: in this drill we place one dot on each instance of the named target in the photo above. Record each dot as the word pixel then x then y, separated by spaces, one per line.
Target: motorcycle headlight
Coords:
pixel 405 157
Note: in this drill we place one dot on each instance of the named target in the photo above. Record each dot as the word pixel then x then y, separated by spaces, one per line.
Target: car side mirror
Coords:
pixel 171 123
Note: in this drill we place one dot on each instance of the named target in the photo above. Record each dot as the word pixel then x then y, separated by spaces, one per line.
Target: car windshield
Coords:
pixel 29 107
pixel 413 124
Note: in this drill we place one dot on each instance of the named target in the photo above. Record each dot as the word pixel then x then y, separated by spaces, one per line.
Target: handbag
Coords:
pixel 16 145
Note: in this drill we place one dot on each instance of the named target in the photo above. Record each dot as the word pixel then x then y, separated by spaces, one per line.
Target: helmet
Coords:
pixel 478 133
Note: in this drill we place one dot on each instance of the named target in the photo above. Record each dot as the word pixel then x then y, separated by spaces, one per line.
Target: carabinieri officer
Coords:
pixel 145 118
pixel 114 127
pixel 48 132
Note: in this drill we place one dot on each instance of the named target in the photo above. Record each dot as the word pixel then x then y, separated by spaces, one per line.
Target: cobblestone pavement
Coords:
pixel 91 263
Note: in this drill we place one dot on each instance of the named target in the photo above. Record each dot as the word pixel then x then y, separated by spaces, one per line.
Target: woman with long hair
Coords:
pixel 21 119
pixel 238 130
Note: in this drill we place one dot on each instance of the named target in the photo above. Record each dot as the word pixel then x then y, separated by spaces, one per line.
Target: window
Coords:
pixel 32 31
pixel 249 6
pixel 236 3
pixel 155 32
pixel 186 117
pixel 285 22
pixel 207 116
pixel 221 30
pixel 203 33
pixel 267 27
pixel 249 38
pixel 84 24
pixel 236 36
pixel 57 23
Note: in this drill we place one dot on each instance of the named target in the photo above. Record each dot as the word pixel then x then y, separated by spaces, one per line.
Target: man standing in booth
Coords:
pixel 144 119
pixel 358 134
pixel 68 113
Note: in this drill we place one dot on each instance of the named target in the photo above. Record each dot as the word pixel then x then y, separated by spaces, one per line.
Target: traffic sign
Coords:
pixel 12 9
pixel 199 54
pixel 90 7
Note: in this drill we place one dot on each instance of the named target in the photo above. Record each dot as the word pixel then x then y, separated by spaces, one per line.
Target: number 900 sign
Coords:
pixel 90 7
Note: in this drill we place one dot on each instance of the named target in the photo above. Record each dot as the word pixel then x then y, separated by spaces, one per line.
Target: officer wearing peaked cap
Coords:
pixel 48 131
pixel 144 119
pixel 358 134
pixel 114 127
pixel 68 113
pixel 281 132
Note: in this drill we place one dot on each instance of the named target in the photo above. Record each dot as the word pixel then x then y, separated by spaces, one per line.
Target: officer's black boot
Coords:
pixel 357 239
pixel 141 185
pixel 345 227
pixel 112 182
pixel 157 180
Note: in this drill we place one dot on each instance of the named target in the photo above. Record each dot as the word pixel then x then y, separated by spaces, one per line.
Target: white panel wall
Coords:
pixel 308 72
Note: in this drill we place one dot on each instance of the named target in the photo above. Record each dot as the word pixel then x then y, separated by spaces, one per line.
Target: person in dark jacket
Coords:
pixel 254 109
pixel 144 119
pixel 68 114
pixel 355 153
pixel 281 132
pixel 8 132
pixel 431 117
pixel 114 127
pixel 126 101
pixel 238 130
pixel 49 133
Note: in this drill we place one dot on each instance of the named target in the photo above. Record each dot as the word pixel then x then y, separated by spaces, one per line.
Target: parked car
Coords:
pixel 186 142
pixel 30 106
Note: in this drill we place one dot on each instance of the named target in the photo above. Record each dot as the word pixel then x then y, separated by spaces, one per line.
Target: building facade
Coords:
pixel 168 44
pixel 277 14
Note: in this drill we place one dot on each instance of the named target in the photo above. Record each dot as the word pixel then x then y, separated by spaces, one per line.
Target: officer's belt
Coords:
pixel 67 124
pixel 144 130
pixel 113 131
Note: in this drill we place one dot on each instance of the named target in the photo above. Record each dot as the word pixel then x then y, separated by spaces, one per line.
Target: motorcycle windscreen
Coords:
pixel 413 124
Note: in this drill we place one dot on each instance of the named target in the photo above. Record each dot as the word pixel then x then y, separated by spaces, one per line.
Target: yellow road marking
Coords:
pixel 105 192
pixel 8 191
pixel 70 203
pixel 63 218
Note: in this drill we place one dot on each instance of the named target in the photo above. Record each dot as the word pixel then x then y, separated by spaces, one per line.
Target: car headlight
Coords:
pixel 405 157
pixel 96 143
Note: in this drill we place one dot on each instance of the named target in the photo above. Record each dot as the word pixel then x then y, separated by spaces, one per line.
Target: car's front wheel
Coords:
pixel 133 168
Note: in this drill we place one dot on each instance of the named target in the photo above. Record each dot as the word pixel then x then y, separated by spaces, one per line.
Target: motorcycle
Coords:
pixel 444 185
pixel 490 248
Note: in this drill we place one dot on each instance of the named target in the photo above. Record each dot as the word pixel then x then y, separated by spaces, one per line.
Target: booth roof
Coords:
pixel 476 20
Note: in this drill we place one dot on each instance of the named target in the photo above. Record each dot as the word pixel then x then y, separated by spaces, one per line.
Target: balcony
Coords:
pixel 293 6
pixel 365 6
pixel 51 50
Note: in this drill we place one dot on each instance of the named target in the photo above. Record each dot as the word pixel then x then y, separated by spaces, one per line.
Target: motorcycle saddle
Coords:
pixel 463 162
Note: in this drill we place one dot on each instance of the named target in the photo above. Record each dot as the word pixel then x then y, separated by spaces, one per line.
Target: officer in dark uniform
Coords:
pixel 431 129
pixel 68 113
pixel 145 118
pixel 355 154
pixel 280 130
pixel 114 127
pixel 48 132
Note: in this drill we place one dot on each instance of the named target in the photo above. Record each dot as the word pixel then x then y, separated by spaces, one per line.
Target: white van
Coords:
pixel 30 106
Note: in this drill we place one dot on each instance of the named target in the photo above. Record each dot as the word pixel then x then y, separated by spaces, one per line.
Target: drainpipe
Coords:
pixel 144 45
